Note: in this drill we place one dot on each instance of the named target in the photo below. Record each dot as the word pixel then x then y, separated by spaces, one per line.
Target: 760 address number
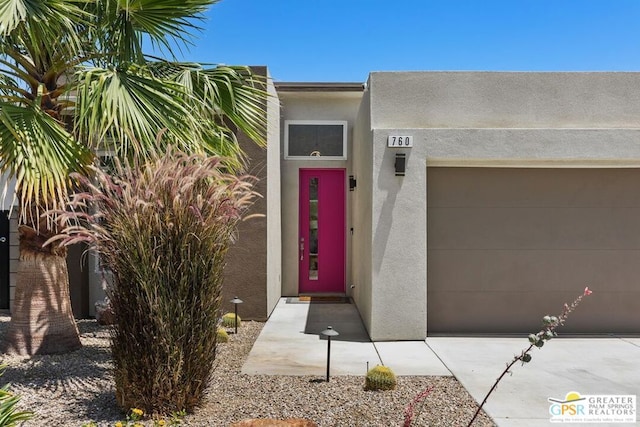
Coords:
pixel 399 141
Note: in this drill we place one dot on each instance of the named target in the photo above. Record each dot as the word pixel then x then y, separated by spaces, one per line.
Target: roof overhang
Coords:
pixel 319 87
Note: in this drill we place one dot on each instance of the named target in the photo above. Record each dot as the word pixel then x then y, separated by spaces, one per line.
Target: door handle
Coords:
pixel 3 239
pixel 301 249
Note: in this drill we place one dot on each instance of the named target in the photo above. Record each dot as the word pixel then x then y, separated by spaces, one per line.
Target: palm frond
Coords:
pixel 132 107
pixel 41 27
pixel 164 22
pixel 140 108
pixel 234 93
pixel 39 153
pixel 240 95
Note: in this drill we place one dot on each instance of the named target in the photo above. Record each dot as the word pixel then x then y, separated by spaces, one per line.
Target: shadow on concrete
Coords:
pixel 343 317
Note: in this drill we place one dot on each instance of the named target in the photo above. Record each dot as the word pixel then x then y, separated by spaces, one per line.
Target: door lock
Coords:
pixel 3 239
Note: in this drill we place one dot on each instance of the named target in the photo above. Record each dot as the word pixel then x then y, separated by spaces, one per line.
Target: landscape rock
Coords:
pixel 292 422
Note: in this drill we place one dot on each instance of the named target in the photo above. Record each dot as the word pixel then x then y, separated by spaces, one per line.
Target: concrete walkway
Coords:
pixel 289 344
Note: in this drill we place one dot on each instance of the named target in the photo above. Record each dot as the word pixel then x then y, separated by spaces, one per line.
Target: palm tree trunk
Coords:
pixel 42 321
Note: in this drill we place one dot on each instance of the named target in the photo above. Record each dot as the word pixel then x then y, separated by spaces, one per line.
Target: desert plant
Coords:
pixel 229 320
pixel 163 228
pixel 9 416
pixel 415 407
pixel 547 332
pixel 223 336
pixel 380 378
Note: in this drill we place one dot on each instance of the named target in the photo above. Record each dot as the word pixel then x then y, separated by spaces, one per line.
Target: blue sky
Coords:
pixel 343 40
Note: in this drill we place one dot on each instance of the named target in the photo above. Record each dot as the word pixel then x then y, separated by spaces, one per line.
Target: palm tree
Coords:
pixel 73 80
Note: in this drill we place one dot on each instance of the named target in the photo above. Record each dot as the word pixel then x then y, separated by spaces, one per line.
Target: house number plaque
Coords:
pixel 400 141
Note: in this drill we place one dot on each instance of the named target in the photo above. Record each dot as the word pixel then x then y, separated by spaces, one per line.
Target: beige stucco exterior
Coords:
pixel 473 121
pixel 504 100
pixel 274 200
pixel 478 120
pixel 361 273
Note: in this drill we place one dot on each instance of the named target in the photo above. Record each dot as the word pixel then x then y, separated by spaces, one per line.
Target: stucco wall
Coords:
pixel 308 106
pixel 247 273
pixel 274 226
pixel 478 119
pixel 499 100
pixel 399 239
pixel 361 200
pixel 528 147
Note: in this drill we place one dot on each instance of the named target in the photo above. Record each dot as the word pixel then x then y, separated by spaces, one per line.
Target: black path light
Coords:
pixel 329 332
pixel 235 301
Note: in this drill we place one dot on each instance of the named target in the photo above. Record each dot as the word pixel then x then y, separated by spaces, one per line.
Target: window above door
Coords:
pixel 315 140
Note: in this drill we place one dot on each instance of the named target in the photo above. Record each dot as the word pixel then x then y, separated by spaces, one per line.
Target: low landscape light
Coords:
pixel 235 301
pixel 329 332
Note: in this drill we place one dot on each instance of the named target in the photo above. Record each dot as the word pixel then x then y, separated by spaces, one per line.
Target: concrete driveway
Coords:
pixel 591 366
pixel 289 344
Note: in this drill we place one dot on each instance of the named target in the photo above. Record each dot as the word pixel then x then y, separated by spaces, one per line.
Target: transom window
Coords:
pixel 313 139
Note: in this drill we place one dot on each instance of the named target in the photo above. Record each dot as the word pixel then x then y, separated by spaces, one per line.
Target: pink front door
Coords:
pixel 321 240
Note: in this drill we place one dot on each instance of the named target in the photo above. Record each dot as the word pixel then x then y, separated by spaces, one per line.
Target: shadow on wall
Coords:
pixel 342 316
pixel 388 186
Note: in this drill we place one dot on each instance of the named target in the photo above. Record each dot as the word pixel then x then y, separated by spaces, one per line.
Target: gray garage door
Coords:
pixel 507 246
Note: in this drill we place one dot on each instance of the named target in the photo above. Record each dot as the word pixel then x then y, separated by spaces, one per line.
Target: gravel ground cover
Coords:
pixel 73 389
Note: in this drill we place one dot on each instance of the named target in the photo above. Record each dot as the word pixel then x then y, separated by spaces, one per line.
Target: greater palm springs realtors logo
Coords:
pixel 606 408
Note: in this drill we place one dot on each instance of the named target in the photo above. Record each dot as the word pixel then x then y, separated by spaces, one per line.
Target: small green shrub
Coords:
pixel 380 378
pixel 9 417
pixel 229 320
pixel 223 336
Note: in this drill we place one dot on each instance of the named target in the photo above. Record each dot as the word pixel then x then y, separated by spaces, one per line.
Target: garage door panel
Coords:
pixel 490 311
pixel 522 271
pixel 533 228
pixel 518 312
pixel 507 246
pixel 500 187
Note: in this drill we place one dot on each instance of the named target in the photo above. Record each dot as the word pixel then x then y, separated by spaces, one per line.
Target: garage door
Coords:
pixel 507 246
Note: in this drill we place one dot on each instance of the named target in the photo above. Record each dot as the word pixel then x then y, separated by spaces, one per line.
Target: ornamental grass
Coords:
pixel 162 229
